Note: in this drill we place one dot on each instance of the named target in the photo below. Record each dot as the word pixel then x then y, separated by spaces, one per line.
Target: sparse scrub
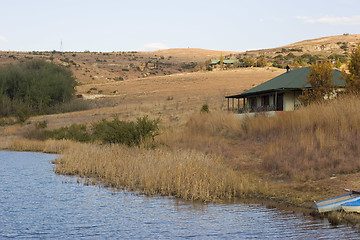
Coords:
pixel 9 121
pixel 72 106
pixel 189 65
pixel 41 124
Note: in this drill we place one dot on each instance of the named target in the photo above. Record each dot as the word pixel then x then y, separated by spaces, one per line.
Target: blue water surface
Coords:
pixel 36 203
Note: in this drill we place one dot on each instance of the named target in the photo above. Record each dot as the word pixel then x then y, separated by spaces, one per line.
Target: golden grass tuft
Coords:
pixel 202 131
pixel 48 146
pixel 185 174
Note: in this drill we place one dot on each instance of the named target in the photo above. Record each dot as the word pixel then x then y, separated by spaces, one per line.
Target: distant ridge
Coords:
pixel 323 46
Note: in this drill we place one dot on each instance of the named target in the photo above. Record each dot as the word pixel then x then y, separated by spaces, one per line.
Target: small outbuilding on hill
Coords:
pixel 227 63
pixel 278 94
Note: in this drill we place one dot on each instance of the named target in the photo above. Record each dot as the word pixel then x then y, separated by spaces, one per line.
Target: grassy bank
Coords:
pixel 186 174
pixel 292 159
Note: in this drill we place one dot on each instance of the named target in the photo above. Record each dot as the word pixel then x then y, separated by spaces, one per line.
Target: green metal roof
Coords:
pixel 292 80
pixel 226 61
pixel 214 62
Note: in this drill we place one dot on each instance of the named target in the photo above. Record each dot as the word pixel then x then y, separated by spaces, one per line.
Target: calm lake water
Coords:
pixel 37 203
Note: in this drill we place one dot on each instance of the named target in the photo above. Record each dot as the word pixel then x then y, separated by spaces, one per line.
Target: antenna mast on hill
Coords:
pixel 61 46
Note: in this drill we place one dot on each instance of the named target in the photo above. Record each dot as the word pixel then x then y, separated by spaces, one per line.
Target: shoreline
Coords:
pixel 273 200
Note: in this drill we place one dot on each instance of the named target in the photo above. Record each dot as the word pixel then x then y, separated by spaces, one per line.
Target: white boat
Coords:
pixel 353 206
pixel 335 203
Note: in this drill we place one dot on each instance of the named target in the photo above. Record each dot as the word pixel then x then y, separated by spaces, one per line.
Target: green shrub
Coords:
pixel 189 65
pixel 205 109
pixel 127 133
pixel 41 124
pixel 4 122
pixel 143 131
pixel 33 87
pixel 76 132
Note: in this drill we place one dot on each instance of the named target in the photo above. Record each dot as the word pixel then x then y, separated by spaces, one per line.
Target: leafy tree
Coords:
pixel 296 64
pixel 321 81
pixel 352 80
pixel 261 61
pixel 289 56
pixel 34 87
pixel 338 63
pixel 249 62
pixel 221 61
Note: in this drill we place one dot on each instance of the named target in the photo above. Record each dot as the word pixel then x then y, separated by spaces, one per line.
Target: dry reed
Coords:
pixel 48 146
pixel 314 142
pixel 185 174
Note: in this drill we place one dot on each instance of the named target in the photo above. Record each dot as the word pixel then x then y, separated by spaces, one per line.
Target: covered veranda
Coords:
pixel 236 103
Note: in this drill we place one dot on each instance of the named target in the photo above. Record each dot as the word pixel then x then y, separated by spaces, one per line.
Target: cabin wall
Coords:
pixel 291 100
pixel 258 101
pixel 271 100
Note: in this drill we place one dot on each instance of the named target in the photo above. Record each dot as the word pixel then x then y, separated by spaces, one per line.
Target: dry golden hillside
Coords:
pixel 110 67
pixel 172 98
pixel 322 46
pixel 99 67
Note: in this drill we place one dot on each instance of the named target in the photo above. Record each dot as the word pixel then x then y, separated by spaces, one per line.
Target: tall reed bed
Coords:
pixel 203 131
pixel 48 146
pixel 315 142
pixel 185 174
pixel 311 143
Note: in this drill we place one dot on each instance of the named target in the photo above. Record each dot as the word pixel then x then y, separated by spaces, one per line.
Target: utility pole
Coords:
pixel 61 46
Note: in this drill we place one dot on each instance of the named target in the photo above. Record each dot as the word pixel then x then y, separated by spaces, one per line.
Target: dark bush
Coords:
pixel 205 109
pixel 34 87
pixel 127 133
pixel 189 65
pixel 131 133
pixel 76 132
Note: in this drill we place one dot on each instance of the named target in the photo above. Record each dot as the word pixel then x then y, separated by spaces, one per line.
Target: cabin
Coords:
pixel 278 94
pixel 227 63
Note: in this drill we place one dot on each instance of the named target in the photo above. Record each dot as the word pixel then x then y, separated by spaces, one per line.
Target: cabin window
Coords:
pixel 265 101
pixel 280 102
pixel 252 102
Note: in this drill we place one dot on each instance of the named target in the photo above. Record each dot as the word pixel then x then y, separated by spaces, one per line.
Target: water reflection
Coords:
pixel 36 203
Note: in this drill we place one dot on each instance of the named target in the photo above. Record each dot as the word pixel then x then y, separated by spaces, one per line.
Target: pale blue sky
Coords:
pixel 109 25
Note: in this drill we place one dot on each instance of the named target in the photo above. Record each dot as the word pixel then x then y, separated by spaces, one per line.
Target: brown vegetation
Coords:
pixel 186 174
pixel 316 142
